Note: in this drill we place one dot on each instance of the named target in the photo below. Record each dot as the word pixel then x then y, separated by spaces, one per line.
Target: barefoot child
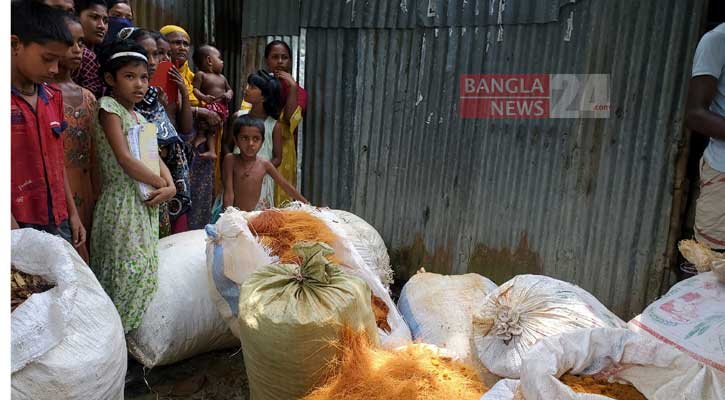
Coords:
pixel 245 172
pixel 211 87
pixel 124 251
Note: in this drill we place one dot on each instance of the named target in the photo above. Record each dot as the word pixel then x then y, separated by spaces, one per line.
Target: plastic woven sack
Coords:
pixel 181 320
pixel 289 318
pixel 368 243
pixel 55 335
pixel 691 318
pixel 658 371
pixel 527 308
pixel 439 308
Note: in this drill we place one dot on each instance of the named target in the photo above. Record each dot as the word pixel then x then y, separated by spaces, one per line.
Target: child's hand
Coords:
pixel 78 232
pixel 209 98
pixel 161 195
pixel 226 98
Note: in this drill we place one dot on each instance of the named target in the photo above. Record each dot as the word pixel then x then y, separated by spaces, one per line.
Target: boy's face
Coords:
pixel 34 61
pixel 249 140
pixel 95 24
pixel 74 55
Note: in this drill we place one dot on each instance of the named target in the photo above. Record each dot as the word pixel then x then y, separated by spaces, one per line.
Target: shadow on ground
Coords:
pixel 218 375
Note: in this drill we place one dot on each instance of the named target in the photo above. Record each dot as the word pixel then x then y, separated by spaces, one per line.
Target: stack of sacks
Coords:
pixel 240 242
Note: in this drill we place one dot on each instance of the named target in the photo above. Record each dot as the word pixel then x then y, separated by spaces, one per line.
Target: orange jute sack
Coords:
pixel 362 371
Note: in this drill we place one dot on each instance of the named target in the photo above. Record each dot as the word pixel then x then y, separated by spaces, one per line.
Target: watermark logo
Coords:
pixel 517 96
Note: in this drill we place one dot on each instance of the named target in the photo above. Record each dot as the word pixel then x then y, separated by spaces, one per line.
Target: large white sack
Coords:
pixel 68 342
pixel 658 371
pixel 439 308
pixel 690 317
pixel 527 308
pixel 181 320
pixel 231 241
pixel 368 243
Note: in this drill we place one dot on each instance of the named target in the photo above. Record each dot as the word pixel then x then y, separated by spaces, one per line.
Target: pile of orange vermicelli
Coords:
pixel 588 384
pixel 362 372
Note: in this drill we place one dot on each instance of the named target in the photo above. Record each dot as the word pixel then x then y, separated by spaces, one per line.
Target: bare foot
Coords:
pixel 208 155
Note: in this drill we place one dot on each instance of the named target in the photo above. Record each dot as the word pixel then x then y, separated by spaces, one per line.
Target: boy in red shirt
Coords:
pixel 40 194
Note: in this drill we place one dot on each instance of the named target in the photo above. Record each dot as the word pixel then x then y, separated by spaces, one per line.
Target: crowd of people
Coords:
pixel 83 77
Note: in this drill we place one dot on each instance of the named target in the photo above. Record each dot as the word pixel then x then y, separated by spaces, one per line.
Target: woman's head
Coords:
pixel 93 15
pixel 264 88
pixel 124 68
pixel 120 9
pixel 72 60
pixel 179 42
pixel 278 56
pixel 147 41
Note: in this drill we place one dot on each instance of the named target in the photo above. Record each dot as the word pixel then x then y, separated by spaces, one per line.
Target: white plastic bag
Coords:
pixel 232 254
pixel 690 317
pixel 438 308
pixel 231 242
pixel 527 308
pixel 368 243
pixel 658 371
pixel 181 320
pixel 353 263
pixel 67 342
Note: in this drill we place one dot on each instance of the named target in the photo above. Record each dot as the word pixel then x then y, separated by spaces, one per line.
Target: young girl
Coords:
pixel 124 252
pixel 79 107
pixel 262 93
pixel 171 147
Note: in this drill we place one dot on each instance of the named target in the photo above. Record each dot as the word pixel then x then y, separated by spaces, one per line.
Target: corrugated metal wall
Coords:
pixel 584 200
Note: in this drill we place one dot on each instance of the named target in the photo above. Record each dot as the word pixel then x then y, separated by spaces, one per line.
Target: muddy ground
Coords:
pixel 217 375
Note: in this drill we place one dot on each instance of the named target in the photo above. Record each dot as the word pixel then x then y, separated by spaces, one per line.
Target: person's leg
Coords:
pixel 710 208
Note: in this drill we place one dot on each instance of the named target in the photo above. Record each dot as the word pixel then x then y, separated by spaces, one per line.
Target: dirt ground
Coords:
pixel 217 375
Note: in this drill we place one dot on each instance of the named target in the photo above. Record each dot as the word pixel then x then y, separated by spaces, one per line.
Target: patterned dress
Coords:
pixel 288 167
pixel 124 251
pixel 173 153
pixel 80 159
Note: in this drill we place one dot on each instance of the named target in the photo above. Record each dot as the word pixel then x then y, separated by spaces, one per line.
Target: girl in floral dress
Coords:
pixel 80 106
pixel 124 253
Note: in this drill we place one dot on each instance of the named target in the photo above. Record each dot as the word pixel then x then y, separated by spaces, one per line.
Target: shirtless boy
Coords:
pixel 244 172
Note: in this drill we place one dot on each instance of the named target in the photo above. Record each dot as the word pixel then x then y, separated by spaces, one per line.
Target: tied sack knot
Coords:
pixel 507 323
